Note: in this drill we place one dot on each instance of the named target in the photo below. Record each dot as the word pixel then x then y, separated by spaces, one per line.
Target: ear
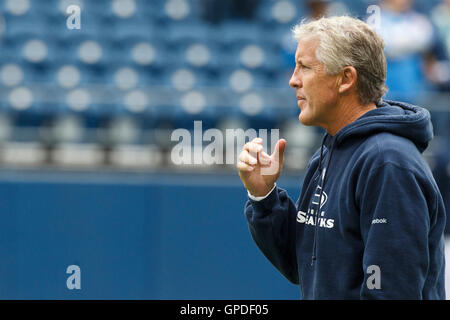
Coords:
pixel 347 79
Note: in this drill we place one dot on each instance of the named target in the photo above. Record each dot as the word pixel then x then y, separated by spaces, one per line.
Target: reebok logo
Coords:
pixel 375 221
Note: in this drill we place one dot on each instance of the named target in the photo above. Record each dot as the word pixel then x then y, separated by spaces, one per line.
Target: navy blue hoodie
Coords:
pixel 380 231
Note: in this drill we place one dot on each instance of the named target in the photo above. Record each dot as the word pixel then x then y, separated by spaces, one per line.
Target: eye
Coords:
pixel 302 66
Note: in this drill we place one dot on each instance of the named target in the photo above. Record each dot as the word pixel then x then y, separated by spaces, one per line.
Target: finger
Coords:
pixel 245 157
pixel 279 150
pixel 253 148
pixel 264 158
pixel 257 140
pixel 265 165
pixel 264 155
pixel 244 167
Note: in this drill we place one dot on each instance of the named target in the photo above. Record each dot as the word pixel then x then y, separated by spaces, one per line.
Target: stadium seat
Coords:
pixel 238 33
pixel 123 29
pixel 180 33
pixel 283 12
pixel 31 25
pixel 154 60
pixel 140 51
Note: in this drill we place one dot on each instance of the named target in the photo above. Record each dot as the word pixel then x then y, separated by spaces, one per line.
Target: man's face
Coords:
pixel 317 92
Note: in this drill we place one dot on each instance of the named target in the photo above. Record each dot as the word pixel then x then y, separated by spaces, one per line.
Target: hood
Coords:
pixel 399 118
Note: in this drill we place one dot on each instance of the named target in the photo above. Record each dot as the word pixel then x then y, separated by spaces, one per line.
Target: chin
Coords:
pixel 304 119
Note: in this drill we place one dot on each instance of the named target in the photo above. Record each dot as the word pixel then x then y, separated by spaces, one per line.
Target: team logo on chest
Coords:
pixel 310 216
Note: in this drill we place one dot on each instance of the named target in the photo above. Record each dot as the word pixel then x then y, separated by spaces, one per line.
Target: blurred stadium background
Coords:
pixel 86 117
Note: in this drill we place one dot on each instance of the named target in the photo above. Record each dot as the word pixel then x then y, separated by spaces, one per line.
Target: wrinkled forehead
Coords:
pixel 306 48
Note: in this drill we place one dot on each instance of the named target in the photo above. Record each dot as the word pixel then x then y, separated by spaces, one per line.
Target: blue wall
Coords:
pixel 134 236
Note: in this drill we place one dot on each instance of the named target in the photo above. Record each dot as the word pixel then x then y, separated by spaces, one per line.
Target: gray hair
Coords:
pixel 346 41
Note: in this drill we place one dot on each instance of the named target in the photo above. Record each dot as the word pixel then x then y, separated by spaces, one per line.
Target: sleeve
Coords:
pixel 254 198
pixel 395 223
pixel 271 223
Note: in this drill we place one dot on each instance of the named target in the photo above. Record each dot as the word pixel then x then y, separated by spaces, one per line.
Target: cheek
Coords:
pixel 312 90
pixel 308 87
pixel 323 91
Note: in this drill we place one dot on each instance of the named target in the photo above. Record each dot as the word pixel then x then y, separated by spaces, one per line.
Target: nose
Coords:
pixel 295 81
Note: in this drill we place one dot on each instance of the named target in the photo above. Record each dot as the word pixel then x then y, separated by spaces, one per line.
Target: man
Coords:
pixel 369 221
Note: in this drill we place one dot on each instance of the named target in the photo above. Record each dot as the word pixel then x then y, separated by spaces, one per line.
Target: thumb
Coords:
pixel 278 154
pixel 277 160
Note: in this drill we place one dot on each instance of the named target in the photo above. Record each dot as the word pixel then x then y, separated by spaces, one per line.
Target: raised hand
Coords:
pixel 257 170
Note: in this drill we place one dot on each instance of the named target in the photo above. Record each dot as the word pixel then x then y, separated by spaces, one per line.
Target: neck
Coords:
pixel 346 114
